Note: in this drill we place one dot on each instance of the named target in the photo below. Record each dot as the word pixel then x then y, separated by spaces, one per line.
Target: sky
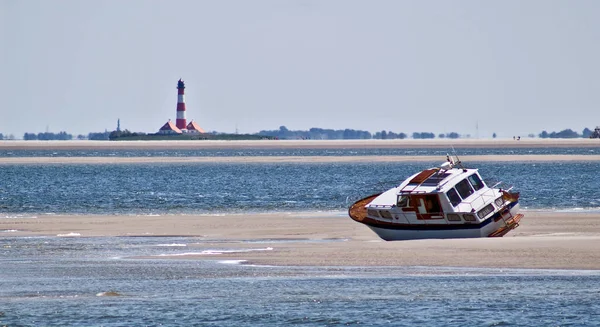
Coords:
pixel 471 67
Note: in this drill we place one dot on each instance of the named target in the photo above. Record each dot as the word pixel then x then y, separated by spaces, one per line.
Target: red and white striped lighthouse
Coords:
pixel 181 122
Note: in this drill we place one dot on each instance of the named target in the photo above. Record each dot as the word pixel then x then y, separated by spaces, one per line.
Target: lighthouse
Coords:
pixel 181 122
pixel 181 125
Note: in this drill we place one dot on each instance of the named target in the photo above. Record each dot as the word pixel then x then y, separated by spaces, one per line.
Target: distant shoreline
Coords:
pixel 297 144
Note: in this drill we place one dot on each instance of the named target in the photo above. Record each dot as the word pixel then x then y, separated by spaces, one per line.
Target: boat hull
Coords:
pixel 459 231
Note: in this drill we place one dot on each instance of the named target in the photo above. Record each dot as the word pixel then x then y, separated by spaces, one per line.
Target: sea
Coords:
pixel 100 281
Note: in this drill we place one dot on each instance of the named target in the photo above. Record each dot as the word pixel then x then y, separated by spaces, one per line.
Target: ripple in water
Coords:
pixel 203 188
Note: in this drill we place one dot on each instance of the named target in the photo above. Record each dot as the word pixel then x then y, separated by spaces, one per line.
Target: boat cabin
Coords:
pixel 454 195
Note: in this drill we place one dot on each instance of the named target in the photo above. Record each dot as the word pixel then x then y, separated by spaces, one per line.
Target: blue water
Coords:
pixel 197 188
pixel 442 151
pixel 57 281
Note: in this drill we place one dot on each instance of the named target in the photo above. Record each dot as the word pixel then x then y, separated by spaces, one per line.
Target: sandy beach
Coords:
pixel 549 240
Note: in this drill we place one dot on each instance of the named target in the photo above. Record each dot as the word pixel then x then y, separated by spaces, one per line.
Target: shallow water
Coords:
pixel 64 282
pixel 202 188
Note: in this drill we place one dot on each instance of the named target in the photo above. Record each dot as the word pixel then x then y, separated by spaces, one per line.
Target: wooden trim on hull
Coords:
pixel 357 211
pixel 511 224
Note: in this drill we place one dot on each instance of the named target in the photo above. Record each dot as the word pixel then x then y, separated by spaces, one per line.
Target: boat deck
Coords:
pixel 357 211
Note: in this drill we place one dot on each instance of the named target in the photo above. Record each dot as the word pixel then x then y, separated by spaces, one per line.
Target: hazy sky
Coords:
pixel 510 67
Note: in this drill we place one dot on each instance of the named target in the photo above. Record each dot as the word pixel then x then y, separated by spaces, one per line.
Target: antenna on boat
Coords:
pixel 457 162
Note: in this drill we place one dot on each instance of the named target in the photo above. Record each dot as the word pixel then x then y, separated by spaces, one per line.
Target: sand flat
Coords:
pixel 550 240
pixel 291 159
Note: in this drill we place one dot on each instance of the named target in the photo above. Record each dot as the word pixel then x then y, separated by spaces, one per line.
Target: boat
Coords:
pixel 449 201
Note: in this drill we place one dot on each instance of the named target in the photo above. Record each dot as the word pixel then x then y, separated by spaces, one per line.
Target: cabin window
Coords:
pixel 453 197
pixel 453 217
pixel 403 201
pixel 428 204
pixel 385 214
pixel 372 213
pixel 464 189
pixel 432 204
pixel 499 202
pixel 469 217
pixel 485 211
pixel 476 182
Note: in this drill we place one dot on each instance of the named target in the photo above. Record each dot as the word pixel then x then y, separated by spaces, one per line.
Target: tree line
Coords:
pixel 566 134
pixel 7 137
pixel 315 134
pixel 47 136
pixel 346 134
pixel 284 133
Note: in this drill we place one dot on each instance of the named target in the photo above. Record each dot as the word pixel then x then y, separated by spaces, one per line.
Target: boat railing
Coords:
pixel 381 206
pixel 500 185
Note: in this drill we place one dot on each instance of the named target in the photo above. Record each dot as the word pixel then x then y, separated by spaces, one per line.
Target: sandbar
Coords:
pixel 291 159
pixel 545 240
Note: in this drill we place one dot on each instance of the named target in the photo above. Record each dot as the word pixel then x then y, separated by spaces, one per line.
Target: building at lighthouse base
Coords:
pixel 193 127
pixel 169 129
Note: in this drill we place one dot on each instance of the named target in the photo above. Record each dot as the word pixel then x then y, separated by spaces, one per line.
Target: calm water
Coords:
pixel 55 281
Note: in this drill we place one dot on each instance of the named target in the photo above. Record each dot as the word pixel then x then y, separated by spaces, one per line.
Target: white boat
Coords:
pixel 449 201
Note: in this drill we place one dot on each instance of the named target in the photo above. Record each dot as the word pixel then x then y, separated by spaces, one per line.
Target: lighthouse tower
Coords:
pixel 181 122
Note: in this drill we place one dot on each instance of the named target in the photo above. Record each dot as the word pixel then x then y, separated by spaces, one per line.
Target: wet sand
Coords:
pixel 290 159
pixel 551 240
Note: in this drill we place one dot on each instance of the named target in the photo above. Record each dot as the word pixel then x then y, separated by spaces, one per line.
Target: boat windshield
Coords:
pixel 464 188
pixel 476 182
pixel 403 201
pixel 453 197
